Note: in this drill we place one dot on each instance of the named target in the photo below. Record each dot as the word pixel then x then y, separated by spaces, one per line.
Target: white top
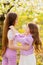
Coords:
pixel 11 34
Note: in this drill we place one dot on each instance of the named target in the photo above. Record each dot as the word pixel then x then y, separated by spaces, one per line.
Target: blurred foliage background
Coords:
pixel 27 11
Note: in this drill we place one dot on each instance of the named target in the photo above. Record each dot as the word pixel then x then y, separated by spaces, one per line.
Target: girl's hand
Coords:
pixel 25 47
pixel 12 27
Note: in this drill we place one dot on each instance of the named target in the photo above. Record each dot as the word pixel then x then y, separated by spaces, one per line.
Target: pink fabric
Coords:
pixel 9 57
pixel 25 40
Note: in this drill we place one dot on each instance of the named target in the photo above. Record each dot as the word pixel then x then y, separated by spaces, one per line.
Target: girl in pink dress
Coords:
pixel 31 38
pixel 8 43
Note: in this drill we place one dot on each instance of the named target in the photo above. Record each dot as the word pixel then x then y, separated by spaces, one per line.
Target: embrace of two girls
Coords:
pixel 30 41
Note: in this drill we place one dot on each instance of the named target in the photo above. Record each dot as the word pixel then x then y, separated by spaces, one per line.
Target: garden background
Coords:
pixel 28 11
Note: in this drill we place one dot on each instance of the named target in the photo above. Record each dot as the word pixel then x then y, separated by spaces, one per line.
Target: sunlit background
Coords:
pixel 28 11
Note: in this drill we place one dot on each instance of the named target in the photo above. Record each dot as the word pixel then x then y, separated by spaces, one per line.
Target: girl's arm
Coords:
pixel 18 39
pixel 15 47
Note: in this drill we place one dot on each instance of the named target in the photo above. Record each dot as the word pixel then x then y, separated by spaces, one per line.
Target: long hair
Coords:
pixel 35 34
pixel 9 20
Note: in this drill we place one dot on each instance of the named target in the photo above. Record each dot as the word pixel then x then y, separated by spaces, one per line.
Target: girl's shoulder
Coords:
pixel 14 30
pixel 10 34
pixel 29 37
